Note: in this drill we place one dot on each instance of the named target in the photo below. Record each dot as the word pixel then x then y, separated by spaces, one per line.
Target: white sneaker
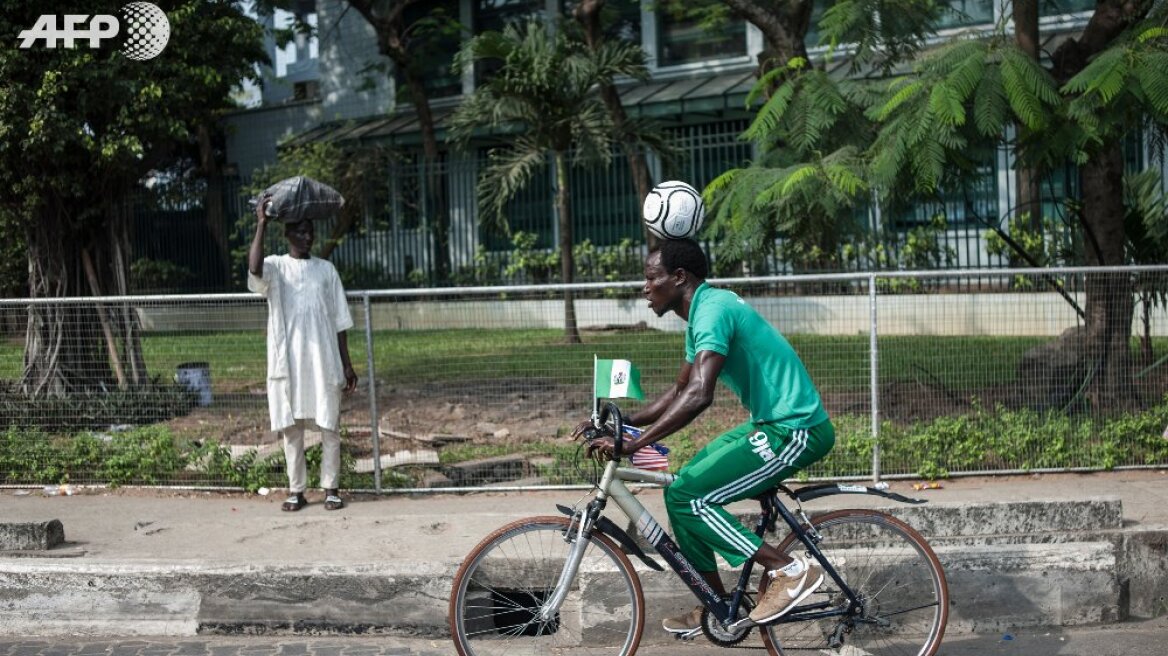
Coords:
pixel 785 592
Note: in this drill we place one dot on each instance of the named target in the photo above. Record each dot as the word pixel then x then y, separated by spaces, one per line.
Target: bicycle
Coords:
pixel 565 582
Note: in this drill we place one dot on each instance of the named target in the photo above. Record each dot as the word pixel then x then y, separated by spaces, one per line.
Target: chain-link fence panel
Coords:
pixel 481 387
pixel 1059 369
pixel 491 384
pixel 153 390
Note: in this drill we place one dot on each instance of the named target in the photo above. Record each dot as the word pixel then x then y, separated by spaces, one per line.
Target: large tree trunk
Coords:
pixel 783 24
pixel 213 201
pixel 120 256
pixel 387 18
pixel 567 261
pixel 62 350
pixel 1027 178
pixel 435 181
pixel 588 15
pixel 74 348
pixel 1109 296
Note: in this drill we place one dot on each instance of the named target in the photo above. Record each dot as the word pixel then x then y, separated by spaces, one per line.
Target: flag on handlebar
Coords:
pixel 615 379
pixel 654 457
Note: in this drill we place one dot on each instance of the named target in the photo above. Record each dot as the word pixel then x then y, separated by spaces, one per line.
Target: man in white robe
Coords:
pixel 308 353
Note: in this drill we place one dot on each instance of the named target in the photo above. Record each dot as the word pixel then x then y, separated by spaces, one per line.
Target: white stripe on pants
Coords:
pixel 330 461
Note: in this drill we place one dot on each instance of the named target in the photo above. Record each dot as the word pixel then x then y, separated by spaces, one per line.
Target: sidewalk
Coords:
pixel 127 530
pixel 218 528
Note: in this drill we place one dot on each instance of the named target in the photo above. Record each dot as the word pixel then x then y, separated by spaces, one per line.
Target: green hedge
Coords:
pixel 1000 438
pixel 149 455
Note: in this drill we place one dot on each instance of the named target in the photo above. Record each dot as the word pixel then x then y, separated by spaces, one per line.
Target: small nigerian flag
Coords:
pixel 617 379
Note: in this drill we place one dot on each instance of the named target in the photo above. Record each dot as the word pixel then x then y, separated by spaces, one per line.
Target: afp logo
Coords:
pixel 146 26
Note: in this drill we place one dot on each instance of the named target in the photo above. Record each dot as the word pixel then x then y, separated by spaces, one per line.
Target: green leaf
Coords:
pixel 766 122
pixel 799 177
pixel 989 104
pixel 908 91
pixel 1152 72
pixel 1105 76
pixel 946 106
pixel 1026 104
pixel 845 179
pixel 1157 32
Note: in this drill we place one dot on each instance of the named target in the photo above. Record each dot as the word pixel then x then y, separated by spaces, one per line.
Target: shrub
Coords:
pixel 144 404
pixel 148 455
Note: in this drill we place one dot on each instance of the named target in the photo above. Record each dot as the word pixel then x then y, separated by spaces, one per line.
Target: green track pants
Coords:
pixel 742 463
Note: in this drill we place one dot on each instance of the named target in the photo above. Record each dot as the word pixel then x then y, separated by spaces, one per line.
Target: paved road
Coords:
pixel 1130 639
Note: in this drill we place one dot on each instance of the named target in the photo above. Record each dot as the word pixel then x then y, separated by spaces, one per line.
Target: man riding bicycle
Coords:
pixel 788 428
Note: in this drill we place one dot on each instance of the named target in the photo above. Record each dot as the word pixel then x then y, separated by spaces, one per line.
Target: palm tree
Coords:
pixel 543 97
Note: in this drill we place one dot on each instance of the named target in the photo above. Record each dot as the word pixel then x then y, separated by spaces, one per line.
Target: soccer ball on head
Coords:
pixel 674 210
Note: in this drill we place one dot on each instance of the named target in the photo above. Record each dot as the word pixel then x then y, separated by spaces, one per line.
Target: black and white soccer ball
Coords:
pixel 674 210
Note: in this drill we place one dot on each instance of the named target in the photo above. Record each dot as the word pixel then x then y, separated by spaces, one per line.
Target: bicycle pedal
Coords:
pixel 688 636
pixel 744 623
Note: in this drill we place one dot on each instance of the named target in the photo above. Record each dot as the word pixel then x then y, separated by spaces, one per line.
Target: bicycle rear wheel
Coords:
pixel 894 572
pixel 498 592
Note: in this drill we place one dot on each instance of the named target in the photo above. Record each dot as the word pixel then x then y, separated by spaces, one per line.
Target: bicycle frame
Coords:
pixel 612 486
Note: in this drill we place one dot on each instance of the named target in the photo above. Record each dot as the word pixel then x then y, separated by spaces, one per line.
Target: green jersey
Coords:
pixel 761 367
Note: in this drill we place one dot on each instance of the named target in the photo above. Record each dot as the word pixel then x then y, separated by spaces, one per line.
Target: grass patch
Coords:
pixel 836 363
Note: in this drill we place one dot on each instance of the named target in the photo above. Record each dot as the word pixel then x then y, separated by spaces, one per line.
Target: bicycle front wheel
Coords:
pixel 905 599
pixel 505 580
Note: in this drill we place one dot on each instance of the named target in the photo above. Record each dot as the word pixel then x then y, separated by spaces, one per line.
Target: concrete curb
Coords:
pixel 31 536
pixel 1008 565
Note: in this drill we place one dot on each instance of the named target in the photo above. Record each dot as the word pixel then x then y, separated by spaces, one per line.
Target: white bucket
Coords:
pixel 196 376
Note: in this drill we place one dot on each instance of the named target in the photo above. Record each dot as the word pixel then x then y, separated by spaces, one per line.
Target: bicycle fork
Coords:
pixel 582 522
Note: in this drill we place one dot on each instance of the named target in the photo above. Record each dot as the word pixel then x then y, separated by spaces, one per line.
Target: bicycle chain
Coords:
pixel 716 634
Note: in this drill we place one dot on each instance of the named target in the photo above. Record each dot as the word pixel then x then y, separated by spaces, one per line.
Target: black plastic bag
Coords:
pixel 296 199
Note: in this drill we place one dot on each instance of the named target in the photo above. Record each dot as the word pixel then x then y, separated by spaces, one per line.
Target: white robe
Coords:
pixel 306 310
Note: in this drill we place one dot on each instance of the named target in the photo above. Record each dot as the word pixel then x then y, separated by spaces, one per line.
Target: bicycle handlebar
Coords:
pixel 611 409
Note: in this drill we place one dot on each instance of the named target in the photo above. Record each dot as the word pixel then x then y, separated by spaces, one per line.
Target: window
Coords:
pixel 299 55
pixel 711 149
pixel 412 197
pixel 685 40
pixel 962 13
pixel 619 19
pixel 605 206
pixel 1057 7
pixel 971 202
pixel 495 15
pixel 817 11
pixel 439 36
pixel 307 90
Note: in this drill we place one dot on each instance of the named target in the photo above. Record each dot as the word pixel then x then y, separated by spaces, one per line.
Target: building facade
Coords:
pixel 336 87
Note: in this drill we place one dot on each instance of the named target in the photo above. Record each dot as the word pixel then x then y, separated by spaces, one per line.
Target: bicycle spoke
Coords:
pixel 880 560
pixel 501 591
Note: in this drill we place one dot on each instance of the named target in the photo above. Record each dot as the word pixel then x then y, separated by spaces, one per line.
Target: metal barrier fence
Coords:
pixel 477 387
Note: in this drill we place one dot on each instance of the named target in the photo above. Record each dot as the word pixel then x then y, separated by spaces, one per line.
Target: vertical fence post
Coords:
pixel 874 377
pixel 373 418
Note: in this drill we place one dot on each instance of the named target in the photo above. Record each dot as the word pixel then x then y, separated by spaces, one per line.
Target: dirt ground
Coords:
pixel 509 410
pixel 519 411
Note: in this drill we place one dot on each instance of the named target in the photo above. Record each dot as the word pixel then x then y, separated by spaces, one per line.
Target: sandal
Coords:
pixel 333 501
pixel 294 502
